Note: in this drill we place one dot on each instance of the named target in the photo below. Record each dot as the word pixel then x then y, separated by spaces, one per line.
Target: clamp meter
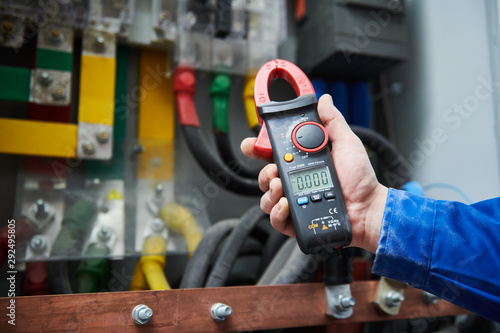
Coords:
pixel 292 134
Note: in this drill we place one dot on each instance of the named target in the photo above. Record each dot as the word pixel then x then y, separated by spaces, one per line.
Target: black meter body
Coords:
pixel 301 151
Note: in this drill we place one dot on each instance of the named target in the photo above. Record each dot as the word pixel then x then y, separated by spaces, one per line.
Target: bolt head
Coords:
pixel 145 314
pixel 141 314
pixel 88 148
pixel 102 137
pixel 347 302
pixel 99 43
pixel 138 149
pixel 159 189
pixel 40 209
pixel 8 27
pixel 394 299
pixel 55 36
pixel 58 92
pixel 157 225
pixel 220 312
pixel 38 243
pixel 429 299
pixel 45 78
pixel 104 234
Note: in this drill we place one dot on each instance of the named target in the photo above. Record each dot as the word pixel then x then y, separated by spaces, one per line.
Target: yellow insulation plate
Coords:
pixel 28 137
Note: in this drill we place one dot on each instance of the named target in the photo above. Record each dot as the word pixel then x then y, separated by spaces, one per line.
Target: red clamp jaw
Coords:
pixel 276 69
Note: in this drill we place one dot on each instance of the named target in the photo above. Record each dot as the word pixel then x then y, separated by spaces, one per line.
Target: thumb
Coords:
pixel 334 122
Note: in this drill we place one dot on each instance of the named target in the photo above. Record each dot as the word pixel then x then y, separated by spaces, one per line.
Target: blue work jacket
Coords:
pixel 449 249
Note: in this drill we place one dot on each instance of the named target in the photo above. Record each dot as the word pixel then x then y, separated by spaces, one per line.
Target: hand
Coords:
pixel 364 196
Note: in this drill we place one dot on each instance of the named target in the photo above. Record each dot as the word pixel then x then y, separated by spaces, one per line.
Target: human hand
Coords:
pixel 364 196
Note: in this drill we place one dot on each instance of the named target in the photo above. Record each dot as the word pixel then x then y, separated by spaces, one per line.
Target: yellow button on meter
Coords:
pixel 288 157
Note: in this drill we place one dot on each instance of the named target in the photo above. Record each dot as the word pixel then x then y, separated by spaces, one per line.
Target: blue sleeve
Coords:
pixel 449 249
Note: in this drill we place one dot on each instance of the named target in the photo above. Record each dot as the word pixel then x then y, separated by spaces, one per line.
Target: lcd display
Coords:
pixel 311 179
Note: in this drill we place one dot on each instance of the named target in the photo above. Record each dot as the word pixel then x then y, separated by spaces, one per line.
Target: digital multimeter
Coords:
pixel 292 134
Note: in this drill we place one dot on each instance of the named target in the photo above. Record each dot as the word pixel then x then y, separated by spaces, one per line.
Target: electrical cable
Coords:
pixel 277 262
pixel 184 81
pixel 449 187
pixel 222 267
pixel 389 154
pixel 197 267
pixel 271 248
pixel 219 94
pixel 152 262
pixel 299 267
pixel 58 278
pixel 214 169
pixel 180 220
pixel 93 269
pixel 248 101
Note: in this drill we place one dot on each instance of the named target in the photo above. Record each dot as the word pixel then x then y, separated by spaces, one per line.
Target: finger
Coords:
pixel 334 122
pixel 247 149
pixel 268 173
pixel 280 218
pixel 271 197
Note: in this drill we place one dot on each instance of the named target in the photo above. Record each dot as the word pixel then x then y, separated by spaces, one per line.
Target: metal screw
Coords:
pixel 220 311
pixel 159 189
pixel 102 137
pixel 99 43
pixel 58 92
pixel 40 209
pixel 141 314
pixel 138 149
pixel 88 148
pixel 55 36
pixel 157 225
pixel 104 234
pixel 8 27
pixel 394 298
pixel 429 299
pixel 345 303
pixel 45 78
pixel 38 243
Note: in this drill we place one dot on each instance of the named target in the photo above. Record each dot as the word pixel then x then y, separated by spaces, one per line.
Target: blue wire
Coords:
pixel 449 187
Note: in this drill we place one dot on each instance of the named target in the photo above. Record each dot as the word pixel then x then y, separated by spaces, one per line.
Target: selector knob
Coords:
pixel 309 136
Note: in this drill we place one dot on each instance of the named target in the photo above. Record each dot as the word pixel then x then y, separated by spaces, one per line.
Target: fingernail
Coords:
pixel 268 174
pixel 330 98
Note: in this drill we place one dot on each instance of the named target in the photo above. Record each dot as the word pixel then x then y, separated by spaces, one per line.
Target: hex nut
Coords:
pixel 220 312
pixel 142 314
pixel 102 137
pixel 88 148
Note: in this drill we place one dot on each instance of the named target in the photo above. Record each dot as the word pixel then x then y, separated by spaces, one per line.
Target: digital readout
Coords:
pixel 311 179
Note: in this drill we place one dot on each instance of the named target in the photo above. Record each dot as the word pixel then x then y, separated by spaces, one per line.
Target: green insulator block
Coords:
pixel 51 59
pixel 15 83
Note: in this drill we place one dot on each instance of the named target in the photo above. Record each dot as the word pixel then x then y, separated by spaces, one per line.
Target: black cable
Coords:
pixel 338 267
pixel 232 162
pixel 273 244
pixel 222 267
pixel 278 262
pixel 58 278
pixel 391 158
pixel 298 268
pixel 219 173
pixel 197 267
